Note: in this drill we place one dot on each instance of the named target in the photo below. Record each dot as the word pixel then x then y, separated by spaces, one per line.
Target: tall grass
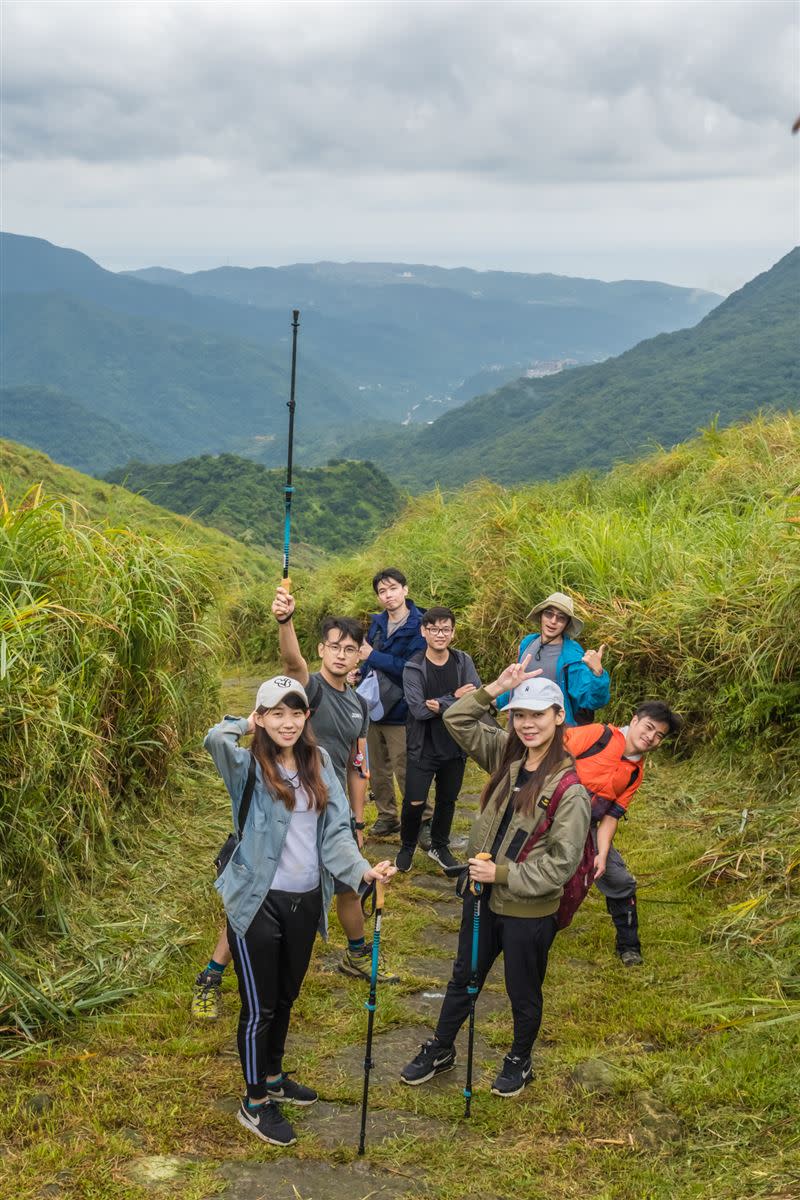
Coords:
pixel 108 650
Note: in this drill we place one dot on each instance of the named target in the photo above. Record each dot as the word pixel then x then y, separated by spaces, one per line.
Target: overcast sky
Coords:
pixel 618 140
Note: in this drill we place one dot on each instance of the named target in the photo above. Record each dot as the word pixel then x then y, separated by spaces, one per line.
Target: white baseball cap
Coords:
pixel 536 695
pixel 274 691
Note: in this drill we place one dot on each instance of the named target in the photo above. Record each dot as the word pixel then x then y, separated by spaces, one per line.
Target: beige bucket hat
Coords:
pixel 563 604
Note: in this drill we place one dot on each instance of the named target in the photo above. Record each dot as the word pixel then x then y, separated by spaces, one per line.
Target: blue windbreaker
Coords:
pixel 581 687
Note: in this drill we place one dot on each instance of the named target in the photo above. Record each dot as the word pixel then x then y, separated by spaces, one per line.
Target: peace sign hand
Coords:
pixel 512 677
pixel 594 660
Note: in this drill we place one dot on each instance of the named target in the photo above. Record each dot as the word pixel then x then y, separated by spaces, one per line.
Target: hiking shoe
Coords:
pixel 359 964
pixel 405 858
pixel 207 996
pixel 515 1074
pixel 630 958
pixel 442 856
pixel 424 839
pixel 267 1123
pixel 385 827
pixel 288 1091
pixel 433 1059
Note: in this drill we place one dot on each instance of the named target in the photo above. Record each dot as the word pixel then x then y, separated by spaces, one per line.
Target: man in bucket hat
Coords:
pixel 556 652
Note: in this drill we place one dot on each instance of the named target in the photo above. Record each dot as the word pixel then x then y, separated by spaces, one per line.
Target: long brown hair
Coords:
pixel 307 756
pixel 525 799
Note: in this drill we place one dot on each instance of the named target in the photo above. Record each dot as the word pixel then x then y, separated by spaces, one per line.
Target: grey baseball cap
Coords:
pixel 274 691
pixel 536 695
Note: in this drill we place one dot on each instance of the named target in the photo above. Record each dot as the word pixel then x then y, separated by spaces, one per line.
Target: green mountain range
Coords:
pixel 411 334
pixel 741 358
pixel 167 366
pixel 334 508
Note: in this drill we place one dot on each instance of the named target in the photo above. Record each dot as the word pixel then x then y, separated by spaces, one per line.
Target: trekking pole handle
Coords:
pixel 379 893
pixel 475 887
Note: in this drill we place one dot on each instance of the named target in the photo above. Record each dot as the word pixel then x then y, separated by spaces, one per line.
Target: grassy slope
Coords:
pixel 740 358
pixel 334 507
pixel 22 468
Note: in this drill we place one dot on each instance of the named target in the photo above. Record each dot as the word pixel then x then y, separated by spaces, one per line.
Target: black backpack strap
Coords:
pixel 247 794
pixel 599 746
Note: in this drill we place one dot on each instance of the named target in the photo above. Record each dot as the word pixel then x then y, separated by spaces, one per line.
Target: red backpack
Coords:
pixel 575 889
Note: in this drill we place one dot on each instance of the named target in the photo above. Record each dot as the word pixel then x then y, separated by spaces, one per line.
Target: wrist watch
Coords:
pixel 360 824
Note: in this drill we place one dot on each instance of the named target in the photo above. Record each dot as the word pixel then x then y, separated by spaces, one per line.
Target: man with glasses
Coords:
pixel 609 761
pixel 339 721
pixel 433 680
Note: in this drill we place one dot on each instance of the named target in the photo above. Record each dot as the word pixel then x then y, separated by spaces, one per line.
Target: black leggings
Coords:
pixel 524 943
pixel 271 961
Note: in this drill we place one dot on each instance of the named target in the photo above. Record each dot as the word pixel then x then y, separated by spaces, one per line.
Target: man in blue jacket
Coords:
pixel 393 637
pixel 555 651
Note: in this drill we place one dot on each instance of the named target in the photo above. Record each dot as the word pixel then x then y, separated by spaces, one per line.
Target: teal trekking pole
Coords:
pixel 288 490
pixel 472 987
pixel 376 892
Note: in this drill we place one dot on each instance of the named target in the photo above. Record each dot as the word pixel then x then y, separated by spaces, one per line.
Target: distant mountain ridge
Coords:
pixel 741 357
pixel 166 371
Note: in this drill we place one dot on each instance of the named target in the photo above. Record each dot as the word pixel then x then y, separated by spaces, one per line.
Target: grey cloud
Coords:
pixel 524 92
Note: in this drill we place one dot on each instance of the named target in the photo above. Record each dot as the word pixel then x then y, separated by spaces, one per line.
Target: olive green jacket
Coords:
pixel 531 888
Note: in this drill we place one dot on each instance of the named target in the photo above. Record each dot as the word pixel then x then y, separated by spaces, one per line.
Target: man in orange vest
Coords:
pixel 610 763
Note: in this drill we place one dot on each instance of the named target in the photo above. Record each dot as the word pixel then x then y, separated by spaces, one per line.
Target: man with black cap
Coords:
pixel 555 651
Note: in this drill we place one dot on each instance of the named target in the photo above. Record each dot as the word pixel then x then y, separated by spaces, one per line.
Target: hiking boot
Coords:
pixel 405 858
pixel 433 1059
pixel 385 827
pixel 442 856
pixel 359 964
pixel 267 1123
pixel 207 996
pixel 630 957
pixel 288 1091
pixel 513 1077
pixel 424 839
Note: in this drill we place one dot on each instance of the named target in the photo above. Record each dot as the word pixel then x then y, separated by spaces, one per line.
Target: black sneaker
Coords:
pixel 516 1073
pixel 267 1123
pixel 433 1059
pixel 630 957
pixel 405 858
pixel 424 839
pixel 290 1092
pixel 442 856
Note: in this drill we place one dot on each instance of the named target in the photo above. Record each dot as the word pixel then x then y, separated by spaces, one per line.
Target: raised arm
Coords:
pixel 292 661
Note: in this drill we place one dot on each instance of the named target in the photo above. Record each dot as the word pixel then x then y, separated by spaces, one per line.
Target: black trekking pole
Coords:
pixel 288 489
pixel 376 892
pixel 472 988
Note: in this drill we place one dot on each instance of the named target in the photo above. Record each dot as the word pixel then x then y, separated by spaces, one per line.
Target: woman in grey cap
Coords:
pixel 556 652
pixel 526 765
pixel 293 838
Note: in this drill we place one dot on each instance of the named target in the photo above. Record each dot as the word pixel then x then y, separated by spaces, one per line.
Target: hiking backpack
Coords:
pixel 577 886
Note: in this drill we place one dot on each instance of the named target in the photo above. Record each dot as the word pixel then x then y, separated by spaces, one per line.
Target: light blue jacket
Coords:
pixel 251 868
pixel 581 687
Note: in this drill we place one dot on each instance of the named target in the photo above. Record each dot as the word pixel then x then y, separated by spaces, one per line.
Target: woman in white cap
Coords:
pixel 525 765
pixel 293 838
pixel 556 652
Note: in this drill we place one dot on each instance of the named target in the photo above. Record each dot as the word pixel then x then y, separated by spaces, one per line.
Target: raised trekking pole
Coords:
pixel 376 893
pixel 472 987
pixel 288 489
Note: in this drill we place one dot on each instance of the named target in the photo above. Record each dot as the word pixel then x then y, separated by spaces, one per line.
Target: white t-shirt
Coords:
pixel 298 865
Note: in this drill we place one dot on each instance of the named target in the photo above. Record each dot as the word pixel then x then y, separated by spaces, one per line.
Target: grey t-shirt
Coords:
pixel 545 659
pixel 338 718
